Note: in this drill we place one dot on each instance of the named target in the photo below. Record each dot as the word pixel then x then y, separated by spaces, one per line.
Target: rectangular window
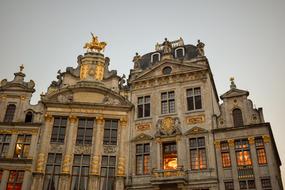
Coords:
pixel 243 152
pixel 4 144
pixel 23 146
pixel 225 154
pixel 108 166
pixel 194 100
pixel 143 106
pixel 247 184
pixel 110 132
pixel 169 156
pixel 52 173
pixel 80 172
pixel 266 184
pixel 260 151
pixel 58 131
pixel 84 131
pixel 142 159
pixel 198 153
pixel 167 102
pixel 15 180
pixel 229 185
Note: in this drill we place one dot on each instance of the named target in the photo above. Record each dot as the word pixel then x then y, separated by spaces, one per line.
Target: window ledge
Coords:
pixel 143 118
pixel 168 114
pixel 194 111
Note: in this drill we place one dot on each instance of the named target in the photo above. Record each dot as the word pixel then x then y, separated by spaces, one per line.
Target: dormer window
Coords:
pixel 179 52
pixel 237 117
pixel 10 111
pixel 166 70
pixel 155 57
pixel 29 117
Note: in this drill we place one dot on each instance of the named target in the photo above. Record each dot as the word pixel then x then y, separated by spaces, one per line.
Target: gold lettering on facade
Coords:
pixel 192 120
pixel 143 126
pixel 72 119
pixel 266 138
pixel 95 165
pixel 121 166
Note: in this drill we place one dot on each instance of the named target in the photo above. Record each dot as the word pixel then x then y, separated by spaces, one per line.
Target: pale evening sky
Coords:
pixel 244 39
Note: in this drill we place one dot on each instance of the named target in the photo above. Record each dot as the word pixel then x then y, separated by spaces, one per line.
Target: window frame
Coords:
pixel 108 168
pixel 145 167
pixel 107 137
pixel 16 180
pixel 10 113
pixel 266 187
pixel 82 166
pixel 237 117
pixel 59 126
pixel 194 98
pixel 197 148
pixel 168 101
pixel 242 149
pixel 143 104
pixel 260 155
pixel 53 174
pixel 5 142
pixel 183 52
pixel 225 150
pixel 154 54
pixel 86 134
pixel 24 144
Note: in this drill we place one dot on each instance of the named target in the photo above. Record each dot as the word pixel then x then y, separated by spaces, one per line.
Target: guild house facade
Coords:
pixel 163 127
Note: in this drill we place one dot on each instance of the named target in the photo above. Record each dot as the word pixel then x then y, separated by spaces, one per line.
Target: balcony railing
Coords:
pixel 245 172
pixel 177 175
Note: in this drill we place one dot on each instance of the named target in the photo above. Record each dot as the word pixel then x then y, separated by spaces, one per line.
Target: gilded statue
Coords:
pixel 95 45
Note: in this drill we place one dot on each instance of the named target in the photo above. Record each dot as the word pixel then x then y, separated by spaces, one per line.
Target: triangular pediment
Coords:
pixel 177 67
pixel 234 93
pixel 195 130
pixel 142 137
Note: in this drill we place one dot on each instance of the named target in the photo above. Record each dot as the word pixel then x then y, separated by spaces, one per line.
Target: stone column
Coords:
pixel 158 154
pixel 121 166
pixel 96 153
pixel 69 146
pixel 33 146
pixel 234 163
pixel 27 180
pixel 4 180
pixel 220 169
pixel 254 162
pixel 10 153
pixel 181 156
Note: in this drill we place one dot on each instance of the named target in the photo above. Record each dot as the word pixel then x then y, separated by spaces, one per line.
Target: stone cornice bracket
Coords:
pixel 48 117
pixel 217 144
pixel 266 138
pixel 231 142
pixel 72 119
pixel 100 120
pixel 123 121
pixel 251 140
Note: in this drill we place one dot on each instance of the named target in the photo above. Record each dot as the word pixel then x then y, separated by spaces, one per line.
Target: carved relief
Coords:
pixel 100 120
pixel 231 142
pixel 168 127
pixel 196 130
pixel 142 137
pixel 48 118
pixel 108 100
pixel 192 120
pixel 217 144
pixel 121 166
pixel 95 165
pixel 99 72
pixel 84 71
pixel 251 140
pixel 40 162
pixel 66 164
pixel 266 138
pixel 56 148
pixel 109 149
pixel 123 121
pixel 72 119
pixel 143 126
pixel 82 149
pixel 18 131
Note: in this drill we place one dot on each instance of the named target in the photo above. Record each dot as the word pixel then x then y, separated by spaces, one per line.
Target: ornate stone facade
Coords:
pixel 163 129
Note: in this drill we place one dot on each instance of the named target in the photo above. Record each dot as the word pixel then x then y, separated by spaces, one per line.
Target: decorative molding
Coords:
pixel 142 137
pixel 100 120
pixel 72 119
pixel 231 142
pixel 168 126
pixel 123 121
pixel 18 131
pixel 48 117
pixel 40 163
pixel 82 149
pixel 251 140
pixel 109 149
pixel 23 97
pixel 95 163
pixel 66 164
pixel 143 126
pixel 197 119
pixel 121 166
pixel 266 138
pixel 217 144
pixel 195 130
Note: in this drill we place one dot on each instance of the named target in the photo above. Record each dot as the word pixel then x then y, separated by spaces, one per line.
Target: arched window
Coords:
pixel 237 117
pixel 10 111
pixel 179 52
pixel 155 57
pixel 29 117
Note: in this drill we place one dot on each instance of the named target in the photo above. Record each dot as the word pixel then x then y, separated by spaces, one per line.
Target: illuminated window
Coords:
pixel 237 117
pixel 107 179
pixel 247 184
pixel 198 153
pixel 142 159
pixel 143 106
pixel 266 184
pixel 58 131
pixel 80 172
pixel 29 117
pixel 15 180
pixel 242 152
pixel 52 173
pixel 194 100
pixel 229 185
pixel 84 131
pixel 225 153
pixel 110 132
pixel 4 144
pixel 23 146
pixel 260 151
pixel 10 111
pixel 167 102
pixel 169 156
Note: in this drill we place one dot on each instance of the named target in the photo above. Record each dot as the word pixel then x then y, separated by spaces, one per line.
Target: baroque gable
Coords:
pixel 142 137
pixel 195 130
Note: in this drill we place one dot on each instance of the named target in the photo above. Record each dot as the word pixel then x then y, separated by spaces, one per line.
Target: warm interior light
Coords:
pixel 170 163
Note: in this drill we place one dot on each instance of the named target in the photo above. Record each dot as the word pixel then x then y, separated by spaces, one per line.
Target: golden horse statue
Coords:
pixel 95 45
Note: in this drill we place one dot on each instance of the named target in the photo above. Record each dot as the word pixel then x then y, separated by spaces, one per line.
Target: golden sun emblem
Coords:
pixel 167 124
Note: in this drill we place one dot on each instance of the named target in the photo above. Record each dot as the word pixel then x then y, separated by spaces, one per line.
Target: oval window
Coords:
pixel 166 70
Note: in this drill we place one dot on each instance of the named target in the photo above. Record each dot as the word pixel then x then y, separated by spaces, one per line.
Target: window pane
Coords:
pixel 147 110
pixel 190 104
pixel 140 111
pixel 198 102
pixel 171 106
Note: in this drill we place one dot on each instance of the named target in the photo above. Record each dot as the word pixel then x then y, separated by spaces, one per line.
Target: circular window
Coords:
pixel 166 70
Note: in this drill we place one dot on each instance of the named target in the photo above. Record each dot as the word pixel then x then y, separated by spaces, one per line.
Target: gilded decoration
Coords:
pixel 95 44
pixel 196 130
pixel 82 149
pixel 95 165
pixel 84 71
pixel 143 126
pixel 217 144
pixel 121 166
pixel 123 121
pixel 168 127
pixel 48 118
pixel 192 120
pixel 100 120
pixel 99 72
pixel 142 137
pixel 40 162
pixel 18 131
pixel 251 140
pixel 72 119
pixel 23 97
pixel 109 149
pixel 266 138
pixel 66 164
pixel 231 142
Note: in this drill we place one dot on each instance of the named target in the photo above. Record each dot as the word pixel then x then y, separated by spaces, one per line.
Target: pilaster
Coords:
pixel 27 181
pixel 255 165
pixel 234 163
pixel 4 179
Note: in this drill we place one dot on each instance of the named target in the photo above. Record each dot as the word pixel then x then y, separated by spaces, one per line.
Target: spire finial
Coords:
pixel 21 68
pixel 233 85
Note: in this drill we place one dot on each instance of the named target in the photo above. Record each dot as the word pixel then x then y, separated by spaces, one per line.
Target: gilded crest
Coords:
pixel 167 125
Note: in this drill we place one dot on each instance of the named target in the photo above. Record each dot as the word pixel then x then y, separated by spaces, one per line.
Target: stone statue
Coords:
pixel 166 46
pixel 200 48
pixel 122 81
pixel 136 58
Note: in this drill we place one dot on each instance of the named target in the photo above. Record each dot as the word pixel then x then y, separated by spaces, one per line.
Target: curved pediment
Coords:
pixel 142 137
pixel 195 130
pixel 86 93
